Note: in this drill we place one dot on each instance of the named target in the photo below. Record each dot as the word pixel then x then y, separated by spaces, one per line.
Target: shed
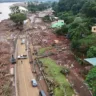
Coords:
pixel 91 61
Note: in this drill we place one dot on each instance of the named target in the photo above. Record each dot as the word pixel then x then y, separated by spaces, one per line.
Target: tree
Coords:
pixel 89 9
pixel 88 41
pixel 62 31
pixel 91 79
pixel 66 16
pixel 31 7
pixel 78 20
pixel 78 31
pixel 42 6
pixel 75 44
pixel 18 18
pixel 14 9
pixel 91 52
pixel 55 7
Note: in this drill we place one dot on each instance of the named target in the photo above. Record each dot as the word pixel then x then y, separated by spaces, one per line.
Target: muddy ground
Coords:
pixel 40 35
pixel 7 38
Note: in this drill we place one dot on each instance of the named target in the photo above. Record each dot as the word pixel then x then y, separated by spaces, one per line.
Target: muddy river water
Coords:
pixel 5 10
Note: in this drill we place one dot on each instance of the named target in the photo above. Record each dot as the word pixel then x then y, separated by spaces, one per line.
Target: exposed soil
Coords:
pixel 4 68
pixel 42 36
pixel 7 37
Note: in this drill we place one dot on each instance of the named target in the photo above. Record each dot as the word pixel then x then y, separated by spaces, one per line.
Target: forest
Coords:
pixel 79 17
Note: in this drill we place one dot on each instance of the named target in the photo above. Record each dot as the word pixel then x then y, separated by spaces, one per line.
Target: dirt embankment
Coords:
pixel 5 88
pixel 5 83
pixel 7 37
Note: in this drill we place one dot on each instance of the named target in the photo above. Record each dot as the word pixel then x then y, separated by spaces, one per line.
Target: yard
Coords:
pixel 53 71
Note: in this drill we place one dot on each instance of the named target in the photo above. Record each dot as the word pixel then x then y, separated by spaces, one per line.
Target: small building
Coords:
pixel 92 61
pixel 93 29
pixel 23 9
pixel 57 24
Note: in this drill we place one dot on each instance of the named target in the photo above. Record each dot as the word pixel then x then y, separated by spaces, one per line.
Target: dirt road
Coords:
pixel 24 74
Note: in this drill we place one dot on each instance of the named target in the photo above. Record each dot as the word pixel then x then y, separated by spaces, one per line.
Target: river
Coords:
pixel 5 10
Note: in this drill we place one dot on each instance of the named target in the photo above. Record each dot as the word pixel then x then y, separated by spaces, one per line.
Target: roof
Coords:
pixel 22 8
pixel 57 24
pixel 91 61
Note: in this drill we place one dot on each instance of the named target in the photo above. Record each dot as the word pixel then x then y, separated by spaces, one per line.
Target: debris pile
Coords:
pixel 5 88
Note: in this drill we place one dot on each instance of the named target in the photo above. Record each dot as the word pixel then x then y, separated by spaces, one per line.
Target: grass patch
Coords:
pixel 43 50
pixel 53 70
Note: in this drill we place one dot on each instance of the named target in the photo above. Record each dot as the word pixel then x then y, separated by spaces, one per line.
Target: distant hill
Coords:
pixel 24 0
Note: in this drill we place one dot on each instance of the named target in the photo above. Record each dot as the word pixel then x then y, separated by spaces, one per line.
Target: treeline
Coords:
pixel 38 6
pixel 79 16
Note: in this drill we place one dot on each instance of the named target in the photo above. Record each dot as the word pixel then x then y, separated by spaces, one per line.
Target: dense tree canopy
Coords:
pixel 91 52
pixel 79 16
pixel 38 7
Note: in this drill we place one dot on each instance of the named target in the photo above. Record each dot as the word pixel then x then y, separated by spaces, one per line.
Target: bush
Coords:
pixel 62 31
pixel 91 52
pixel 91 79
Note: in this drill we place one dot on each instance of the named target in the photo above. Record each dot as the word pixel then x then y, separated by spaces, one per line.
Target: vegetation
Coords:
pixel 38 7
pixel 91 80
pixel 53 70
pixel 14 9
pixel 91 52
pixel 18 18
pixel 62 31
pixel 79 16
pixel 6 89
pixel 42 50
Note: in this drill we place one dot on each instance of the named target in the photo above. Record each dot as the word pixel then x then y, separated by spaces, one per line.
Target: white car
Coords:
pixel 22 57
pixel 23 41
pixel 34 83
pixel 19 57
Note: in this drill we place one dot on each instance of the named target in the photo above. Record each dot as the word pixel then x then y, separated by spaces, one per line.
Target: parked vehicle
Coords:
pixel 34 83
pixel 23 41
pixel 42 93
pixel 19 57
pixel 22 57
pixel 13 60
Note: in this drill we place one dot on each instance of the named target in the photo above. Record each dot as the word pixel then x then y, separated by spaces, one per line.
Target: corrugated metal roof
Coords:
pixel 91 61
pixel 59 23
